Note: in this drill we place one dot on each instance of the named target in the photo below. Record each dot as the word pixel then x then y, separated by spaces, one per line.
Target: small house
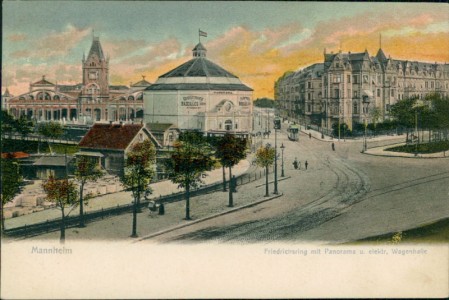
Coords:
pixel 109 143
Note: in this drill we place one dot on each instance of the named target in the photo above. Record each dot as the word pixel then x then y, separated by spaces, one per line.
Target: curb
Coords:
pixel 396 156
pixel 206 218
pixel 279 179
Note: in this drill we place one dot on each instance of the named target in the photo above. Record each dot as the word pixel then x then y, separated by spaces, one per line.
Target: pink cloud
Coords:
pixel 18 37
pixel 55 44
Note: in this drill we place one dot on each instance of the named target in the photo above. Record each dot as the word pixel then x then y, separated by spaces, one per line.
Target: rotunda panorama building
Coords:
pixel 200 95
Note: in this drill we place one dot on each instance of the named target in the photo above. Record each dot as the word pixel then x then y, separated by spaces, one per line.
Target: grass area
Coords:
pixel 32 147
pixel 437 232
pixel 422 148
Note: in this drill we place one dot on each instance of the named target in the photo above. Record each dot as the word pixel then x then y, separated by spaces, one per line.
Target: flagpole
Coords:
pixel 199 36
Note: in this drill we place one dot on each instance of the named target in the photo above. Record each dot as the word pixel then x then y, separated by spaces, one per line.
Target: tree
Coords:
pixel 86 170
pixel 264 102
pixel 191 157
pixel 375 114
pixel 8 122
pixel 139 170
pixel 229 151
pixel 404 113
pixel 440 108
pixel 51 130
pixel 265 158
pixel 11 181
pixel 24 126
pixel 62 192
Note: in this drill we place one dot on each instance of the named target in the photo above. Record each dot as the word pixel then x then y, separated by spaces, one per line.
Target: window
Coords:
pixel 355 78
pixel 348 78
pixel 309 97
pixel 431 85
pixel 355 108
pixel 309 85
pixel 309 108
pixel 378 92
pixel 336 93
pixel 392 93
pixel 379 79
pixel 356 94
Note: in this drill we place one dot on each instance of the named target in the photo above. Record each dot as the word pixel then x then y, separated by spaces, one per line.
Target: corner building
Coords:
pixel 347 87
pixel 200 95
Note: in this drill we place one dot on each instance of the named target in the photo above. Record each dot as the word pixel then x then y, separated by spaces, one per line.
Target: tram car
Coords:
pixel 293 132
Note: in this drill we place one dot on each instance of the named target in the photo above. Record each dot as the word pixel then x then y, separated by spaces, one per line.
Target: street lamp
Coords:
pixel 365 103
pixel 282 151
pixel 277 125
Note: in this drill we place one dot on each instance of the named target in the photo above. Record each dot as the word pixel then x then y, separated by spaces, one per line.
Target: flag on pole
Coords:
pixel 202 33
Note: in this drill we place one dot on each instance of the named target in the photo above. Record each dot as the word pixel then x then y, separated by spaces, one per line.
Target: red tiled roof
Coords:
pixel 110 136
pixel 15 155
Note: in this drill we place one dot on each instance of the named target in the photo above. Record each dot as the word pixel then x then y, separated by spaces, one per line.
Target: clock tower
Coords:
pixel 92 103
pixel 95 72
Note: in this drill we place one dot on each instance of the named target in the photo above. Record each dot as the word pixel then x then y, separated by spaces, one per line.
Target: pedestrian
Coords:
pixel 310 135
pixel 161 209
pixel 306 164
pixel 333 147
pixel 295 163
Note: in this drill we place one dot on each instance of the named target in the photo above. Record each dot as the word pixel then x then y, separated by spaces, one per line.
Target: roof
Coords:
pixel 143 82
pixel 110 136
pixel 6 94
pixel 43 82
pixel 199 46
pixel 198 86
pixel 56 161
pixel 15 155
pixel 198 67
pixel 161 127
pixel 118 87
pixel 96 48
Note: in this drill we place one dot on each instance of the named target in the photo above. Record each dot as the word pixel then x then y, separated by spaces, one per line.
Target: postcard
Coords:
pixel 212 149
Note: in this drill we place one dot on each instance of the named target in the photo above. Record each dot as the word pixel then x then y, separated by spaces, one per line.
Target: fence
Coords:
pixel 73 221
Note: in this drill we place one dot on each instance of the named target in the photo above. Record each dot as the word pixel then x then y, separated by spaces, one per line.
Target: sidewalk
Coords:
pixel 161 188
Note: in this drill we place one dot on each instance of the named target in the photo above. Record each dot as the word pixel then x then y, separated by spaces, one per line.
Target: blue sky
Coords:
pixel 251 39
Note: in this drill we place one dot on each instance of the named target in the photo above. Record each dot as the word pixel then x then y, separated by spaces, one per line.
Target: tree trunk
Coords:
pixel 188 201
pixel 62 237
pixel 3 220
pixel 231 188
pixel 224 179
pixel 134 229
pixel 81 206
pixel 266 182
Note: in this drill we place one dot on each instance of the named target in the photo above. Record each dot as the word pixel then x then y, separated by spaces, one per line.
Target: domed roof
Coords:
pixel 199 73
pixel 198 67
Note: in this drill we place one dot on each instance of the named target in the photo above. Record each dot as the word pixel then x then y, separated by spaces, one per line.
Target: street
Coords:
pixel 343 196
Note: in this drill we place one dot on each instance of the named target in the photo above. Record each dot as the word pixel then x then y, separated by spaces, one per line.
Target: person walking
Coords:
pixel 333 147
pixel 306 164
pixel 310 135
pixel 295 163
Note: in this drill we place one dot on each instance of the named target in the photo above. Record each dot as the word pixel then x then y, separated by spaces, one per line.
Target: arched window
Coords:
pixel 21 98
pixel 228 124
pixel 56 97
pixel 31 97
pixel 131 98
pixel 140 96
pixel 40 96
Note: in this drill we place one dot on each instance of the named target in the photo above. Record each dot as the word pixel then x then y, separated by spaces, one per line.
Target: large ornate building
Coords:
pixel 200 95
pixel 93 100
pixel 348 87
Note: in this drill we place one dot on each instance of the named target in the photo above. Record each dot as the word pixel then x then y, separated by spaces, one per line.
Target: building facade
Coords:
pixel 92 100
pixel 355 88
pixel 200 95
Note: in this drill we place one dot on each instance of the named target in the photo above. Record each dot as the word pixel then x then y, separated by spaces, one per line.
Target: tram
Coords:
pixel 293 132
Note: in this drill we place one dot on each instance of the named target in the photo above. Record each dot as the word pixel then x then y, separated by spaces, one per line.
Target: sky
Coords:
pixel 256 41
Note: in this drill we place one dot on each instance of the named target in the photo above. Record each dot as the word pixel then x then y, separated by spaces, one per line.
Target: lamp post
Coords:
pixel 282 153
pixel 365 103
pixel 277 125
